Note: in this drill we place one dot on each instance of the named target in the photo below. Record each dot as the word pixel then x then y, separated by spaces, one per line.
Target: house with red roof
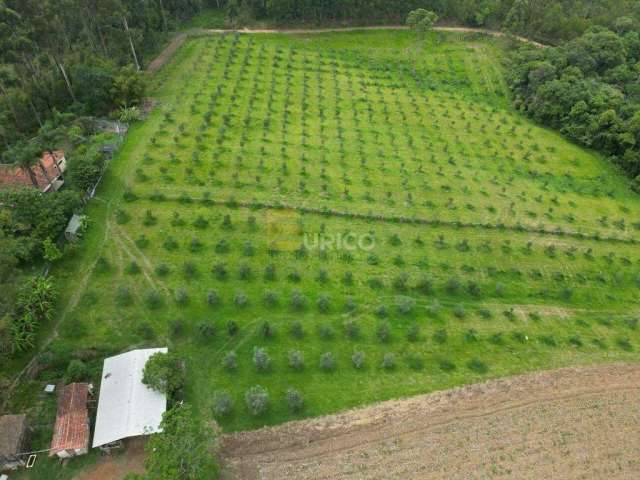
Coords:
pixel 48 173
pixel 71 431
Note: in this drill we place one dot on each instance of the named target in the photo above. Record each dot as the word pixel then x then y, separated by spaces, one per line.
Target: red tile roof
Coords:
pixel 15 176
pixel 71 431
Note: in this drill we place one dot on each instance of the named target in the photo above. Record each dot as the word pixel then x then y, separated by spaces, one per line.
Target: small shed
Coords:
pixel 72 232
pixel 13 440
pixel 126 406
pixel 71 431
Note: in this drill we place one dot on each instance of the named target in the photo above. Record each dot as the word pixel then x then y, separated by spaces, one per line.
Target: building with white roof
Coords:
pixel 127 407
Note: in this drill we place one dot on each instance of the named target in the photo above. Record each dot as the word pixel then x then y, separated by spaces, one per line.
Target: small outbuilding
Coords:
pixel 71 431
pixel 13 441
pixel 72 232
pixel 127 407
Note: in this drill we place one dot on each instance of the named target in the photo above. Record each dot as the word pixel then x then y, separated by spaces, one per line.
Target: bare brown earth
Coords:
pixel 117 466
pixel 574 423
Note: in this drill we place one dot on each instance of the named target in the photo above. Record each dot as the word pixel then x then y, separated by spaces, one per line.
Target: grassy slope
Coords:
pixel 449 139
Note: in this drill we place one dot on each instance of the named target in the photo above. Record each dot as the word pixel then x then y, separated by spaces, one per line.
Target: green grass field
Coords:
pixel 352 192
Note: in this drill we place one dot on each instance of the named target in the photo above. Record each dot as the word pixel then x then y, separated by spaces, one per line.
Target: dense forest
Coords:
pixel 588 89
pixel 76 55
pixel 550 21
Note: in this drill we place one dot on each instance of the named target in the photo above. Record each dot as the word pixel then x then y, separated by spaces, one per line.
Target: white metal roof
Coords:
pixel 127 407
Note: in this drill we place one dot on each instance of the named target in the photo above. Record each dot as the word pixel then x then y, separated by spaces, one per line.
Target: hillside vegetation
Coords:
pixel 474 243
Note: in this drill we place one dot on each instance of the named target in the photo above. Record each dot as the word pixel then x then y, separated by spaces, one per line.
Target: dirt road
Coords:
pixel 573 423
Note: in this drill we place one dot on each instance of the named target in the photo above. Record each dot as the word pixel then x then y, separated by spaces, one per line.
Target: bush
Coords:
pixel 324 303
pixel 181 297
pixel 257 400
pixel 325 332
pixel 389 361
pixel 298 301
pixel 477 366
pixel 327 362
pixel 295 401
pixel 76 371
pixel 102 265
pixel 381 311
pixel 415 363
pixel 352 330
pixel 232 328
pixel 400 282
pixel 222 246
pixel 162 270
pixel 241 300
pixel 133 268
pixel 146 331
pixel 624 344
pixel 267 330
pixel 296 329
pixel 270 299
pixel 474 289
pixel 413 333
pixel 350 305
pixel 176 327
pixel 189 269
pixel 270 273
pixel 446 366
pixel 207 329
pixel 459 312
pixel 213 299
pixel 405 305
pixel 323 276
pixel 384 332
pixel 201 222
pixel 124 298
pixel 296 359
pixel 358 359
pixel 261 359
pixel 222 403
pixel 425 285
pixel 245 272
pixel 230 361
pixel 452 286
pixel 440 336
pixel 153 299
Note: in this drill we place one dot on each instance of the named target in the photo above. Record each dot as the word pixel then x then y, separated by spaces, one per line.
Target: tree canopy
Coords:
pixel 183 451
pixel 588 89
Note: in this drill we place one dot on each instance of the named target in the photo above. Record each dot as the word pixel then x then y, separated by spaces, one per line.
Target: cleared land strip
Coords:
pixel 563 424
pixel 179 39
pixel 256 205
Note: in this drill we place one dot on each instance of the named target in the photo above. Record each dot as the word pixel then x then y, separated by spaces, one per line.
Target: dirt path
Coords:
pixel 179 39
pixel 167 53
pixel 117 466
pixel 566 424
